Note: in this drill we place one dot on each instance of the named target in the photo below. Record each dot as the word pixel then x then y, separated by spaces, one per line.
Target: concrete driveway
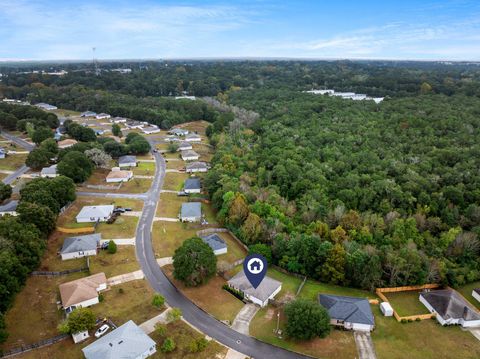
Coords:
pixel 241 323
pixel 364 343
pixel 124 278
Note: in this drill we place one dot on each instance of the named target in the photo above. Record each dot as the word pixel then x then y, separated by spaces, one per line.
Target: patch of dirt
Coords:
pixel 269 314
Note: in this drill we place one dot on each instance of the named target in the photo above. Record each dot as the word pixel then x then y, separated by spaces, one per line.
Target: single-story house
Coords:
pixel 476 294
pixel 80 246
pixel 192 185
pixel 386 309
pixel 49 172
pixel 2 152
pixel 191 212
pixel 217 244
pixel 88 114
pixel 118 120
pixel 127 161
pixel 196 167
pixel 82 292
pixel 348 312
pixel 69 142
pixel 119 176
pixel 190 155
pixel 45 106
pixel 135 124
pixel 184 146
pixel 178 132
pixel 128 341
pixel 9 208
pixel 193 137
pixel 95 213
pixel 450 308
pixel 171 139
pixel 102 116
pixel 150 129
pixel 267 289
pixel 185 98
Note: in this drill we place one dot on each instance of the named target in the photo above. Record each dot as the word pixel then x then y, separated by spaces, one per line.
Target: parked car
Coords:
pixel 119 210
pixel 102 330
pixel 127 209
pixel 104 245
pixel 155 151
pixel 182 194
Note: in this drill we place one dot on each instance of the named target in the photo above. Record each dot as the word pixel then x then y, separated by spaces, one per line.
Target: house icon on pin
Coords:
pixel 255 266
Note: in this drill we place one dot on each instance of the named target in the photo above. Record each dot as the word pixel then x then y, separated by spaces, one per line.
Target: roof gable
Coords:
pixel 81 243
pixel 351 309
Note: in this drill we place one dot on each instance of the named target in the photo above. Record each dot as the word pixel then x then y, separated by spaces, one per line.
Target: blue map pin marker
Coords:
pixel 255 268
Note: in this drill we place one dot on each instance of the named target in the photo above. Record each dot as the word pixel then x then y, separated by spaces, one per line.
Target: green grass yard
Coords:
pixel 311 289
pixel 406 303
pixel 144 168
pixel 174 181
pixel 168 236
pixel 12 162
pixel 466 291
pixel 124 227
pixel 169 205
pixel 124 261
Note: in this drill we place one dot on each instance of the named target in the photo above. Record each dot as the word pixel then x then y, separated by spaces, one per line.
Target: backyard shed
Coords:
pixel 386 309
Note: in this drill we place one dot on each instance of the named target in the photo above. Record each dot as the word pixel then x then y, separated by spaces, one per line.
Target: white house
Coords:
pixel 191 212
pixel 135 124
pixel 128 341
pixel 450 308
pixel 88 114
pixel 102 116
pixel 386 309
pixel 184 146
pixel 193 137
pixel 150 129
pixel 196 167
pixel 348 312
pixel 80 246
pixel 190 155
pixel 185 97
pixel 127 161
pixel 82 292
pixel 116 176
pixel 266 291
pixel 476 294
pixel 49 172
pixel 192 185
pixel 178 132
pixel 118 120
pixel 217 244
pixel 46 106
pixel 2 153
pixel 95 213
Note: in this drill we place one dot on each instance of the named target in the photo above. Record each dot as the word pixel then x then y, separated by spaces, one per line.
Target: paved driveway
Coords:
pixel 364 343
pixel 241 323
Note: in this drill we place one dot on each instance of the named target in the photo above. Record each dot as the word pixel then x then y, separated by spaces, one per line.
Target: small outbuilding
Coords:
pixel 80 336
pixel 2 153
pixel 476 294
pixel 217 244
pixel 386 309
pixel 191 212
pixel 80 246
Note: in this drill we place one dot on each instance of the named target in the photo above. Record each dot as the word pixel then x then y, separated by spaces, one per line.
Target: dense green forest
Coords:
pixel 353 192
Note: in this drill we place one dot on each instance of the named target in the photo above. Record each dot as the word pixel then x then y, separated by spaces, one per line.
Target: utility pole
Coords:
pixel 278 322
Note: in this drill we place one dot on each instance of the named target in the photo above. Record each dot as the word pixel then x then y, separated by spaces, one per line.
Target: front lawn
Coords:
pixel 123 227
pixel 174 181
pixel 175 164
pixel 13 162
pixel 210 296
pixel 169 205
pixel 168 236
pixel 122 262
pixel 135 185
pixel 182 334
pixel 421 340
pixel 338 345
pixel 144 168
pixel 406 303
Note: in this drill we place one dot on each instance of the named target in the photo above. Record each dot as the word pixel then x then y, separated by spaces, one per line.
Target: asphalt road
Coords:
pixel 12 177
pixel 191 313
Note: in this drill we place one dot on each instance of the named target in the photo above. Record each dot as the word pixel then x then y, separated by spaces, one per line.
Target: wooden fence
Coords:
pixel 380 291
pixel 77 230
pixel 56 274
pixel 29 347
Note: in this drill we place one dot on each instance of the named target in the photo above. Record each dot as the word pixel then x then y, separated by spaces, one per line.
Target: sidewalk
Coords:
pixel 149 325
pixel 166 219
pixel 164 261
pixel 121 241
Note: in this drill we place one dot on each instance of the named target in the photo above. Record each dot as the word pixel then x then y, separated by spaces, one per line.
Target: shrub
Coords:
pixel 112 247
pixel 193 347
pixel 403 320
pixel 121 290
pixel 235 292
pixel 306 320
pixel 174 314
pixel 168 345
pixel 158 301
pixel 101 298
pixel 202 344
pixel 161 329
pixel 417 319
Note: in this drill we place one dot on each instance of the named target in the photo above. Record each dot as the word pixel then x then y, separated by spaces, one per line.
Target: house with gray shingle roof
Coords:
pixel 217 244
pixel 193 137
pixel 95 213
pixel 49 172
pixel 184 146
pixel 191 212
pixel 178 132
pixel 127 161
pixel 450 308
pixel 348 312
pixel 266 290
pixel 190 155
pixel 80 246
pixel 196 167
pixel 192 185
pixel 128 341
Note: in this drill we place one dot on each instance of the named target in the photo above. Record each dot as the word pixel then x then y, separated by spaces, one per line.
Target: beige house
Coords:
pixel 117 175
pixel 69 142
pixel 82 292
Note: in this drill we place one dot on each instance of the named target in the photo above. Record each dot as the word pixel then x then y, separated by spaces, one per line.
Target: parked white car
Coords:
pixel 102 330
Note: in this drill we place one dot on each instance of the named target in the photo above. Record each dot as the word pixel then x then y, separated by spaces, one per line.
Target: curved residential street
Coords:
pixel 22 170
pixel 191 313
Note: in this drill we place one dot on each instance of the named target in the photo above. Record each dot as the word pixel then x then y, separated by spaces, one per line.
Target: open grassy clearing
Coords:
pixel 338 345
pixel 210 296
pixel 466 291
pixel 124 261
pixel 144 168
pixel 209 213
pixel 13 162
pixel 406 303
pixel 34 315
pixel 168 236
pixel 66 113
pixel 67 219
pixel 174 181
pixel 195 126
pixel 183 335
pixel 124 227
pixel 169 205
pixel 421 340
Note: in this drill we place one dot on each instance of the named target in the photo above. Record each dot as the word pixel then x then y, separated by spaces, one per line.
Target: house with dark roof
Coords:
pixel 450 308
pixel 476 294
pixel 184 146
pixel 265 291
pixel 193 137
pixel 127 161
pixel 349 312
pixel 190 155
pixel 80 246
pixel 88 114
pixel 217 244
pixel 128 341
pixel 192 185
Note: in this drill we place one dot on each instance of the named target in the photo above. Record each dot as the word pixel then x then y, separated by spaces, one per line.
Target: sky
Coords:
pixel 149 29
